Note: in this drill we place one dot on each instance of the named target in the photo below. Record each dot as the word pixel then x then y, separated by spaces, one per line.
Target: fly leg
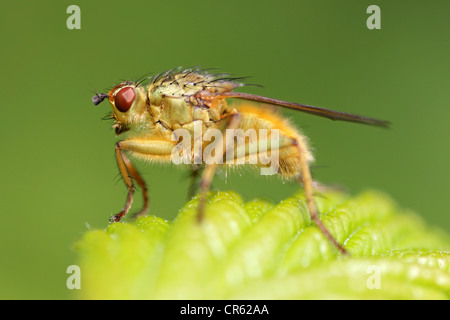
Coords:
pixel 144 148
pixel 230 122
pixel 124 168
pixel 306 180
pixel 193 186
pixel 138 178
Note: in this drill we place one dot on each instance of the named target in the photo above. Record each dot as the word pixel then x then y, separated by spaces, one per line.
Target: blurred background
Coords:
pixel 58 172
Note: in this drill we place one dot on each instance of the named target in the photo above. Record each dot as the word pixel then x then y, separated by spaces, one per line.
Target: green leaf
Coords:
pixel 257 250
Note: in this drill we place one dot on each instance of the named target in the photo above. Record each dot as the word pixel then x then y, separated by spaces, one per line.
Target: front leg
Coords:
pixel 124 167
pixel 145 148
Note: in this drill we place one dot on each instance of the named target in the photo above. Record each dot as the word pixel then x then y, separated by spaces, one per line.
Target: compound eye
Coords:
pixel 124 99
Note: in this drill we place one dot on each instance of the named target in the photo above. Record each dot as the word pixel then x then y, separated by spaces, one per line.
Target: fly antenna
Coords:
pixel 98 98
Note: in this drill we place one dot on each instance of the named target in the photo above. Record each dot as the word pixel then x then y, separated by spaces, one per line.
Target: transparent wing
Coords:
pixel 318 111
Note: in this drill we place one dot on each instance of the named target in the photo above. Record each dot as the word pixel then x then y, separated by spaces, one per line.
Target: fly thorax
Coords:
pixel 173 113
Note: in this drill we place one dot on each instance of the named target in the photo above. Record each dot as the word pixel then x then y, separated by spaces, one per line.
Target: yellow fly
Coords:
pixel 150 118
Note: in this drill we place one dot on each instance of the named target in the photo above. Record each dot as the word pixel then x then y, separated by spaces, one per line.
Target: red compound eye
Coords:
pixel 124 99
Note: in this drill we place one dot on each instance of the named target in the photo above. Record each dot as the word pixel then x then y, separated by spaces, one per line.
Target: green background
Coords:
pixel 58 173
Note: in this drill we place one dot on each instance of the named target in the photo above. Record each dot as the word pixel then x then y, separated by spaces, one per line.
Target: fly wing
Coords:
pixel 318 111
